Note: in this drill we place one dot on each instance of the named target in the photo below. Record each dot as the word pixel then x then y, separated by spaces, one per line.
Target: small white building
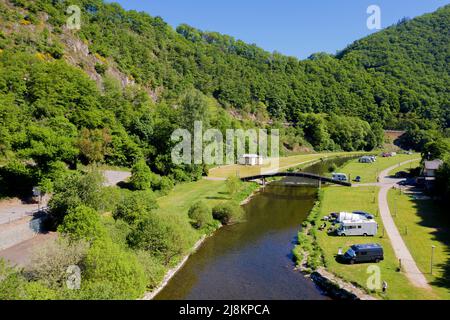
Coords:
pixel 431 167
pixel 251 160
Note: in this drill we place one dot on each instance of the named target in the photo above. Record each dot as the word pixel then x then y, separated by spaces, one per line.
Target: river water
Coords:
pixel 253 260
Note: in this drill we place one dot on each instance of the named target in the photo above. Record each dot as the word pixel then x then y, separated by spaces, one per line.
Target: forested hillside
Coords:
pixel 114 90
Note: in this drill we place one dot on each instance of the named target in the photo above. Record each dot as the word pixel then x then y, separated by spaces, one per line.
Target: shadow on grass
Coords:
pixel 434 216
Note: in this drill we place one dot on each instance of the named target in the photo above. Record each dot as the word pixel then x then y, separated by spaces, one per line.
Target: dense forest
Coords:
pixel 115 89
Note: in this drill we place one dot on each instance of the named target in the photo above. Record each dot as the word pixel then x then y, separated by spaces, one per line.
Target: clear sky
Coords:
pixel 292 27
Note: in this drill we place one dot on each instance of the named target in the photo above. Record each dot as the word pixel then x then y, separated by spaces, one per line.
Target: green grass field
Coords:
pixel 370 171
pixel 285 163
pixel 423 224
pixel 338 199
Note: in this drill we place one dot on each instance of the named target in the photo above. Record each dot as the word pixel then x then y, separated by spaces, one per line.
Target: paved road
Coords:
pixel 15 209
pixel 401 250
pixel 22 253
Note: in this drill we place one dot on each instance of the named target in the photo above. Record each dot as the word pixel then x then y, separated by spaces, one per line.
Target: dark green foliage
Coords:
pixel 160 237
pixel 228 212
pixel 135 206
pixel 112 273
pixel 74 191
pixel 200 215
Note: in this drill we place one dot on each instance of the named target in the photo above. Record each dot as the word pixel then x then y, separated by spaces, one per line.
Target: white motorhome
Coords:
pixel 340 177
pixel 347 216
pixel 358 228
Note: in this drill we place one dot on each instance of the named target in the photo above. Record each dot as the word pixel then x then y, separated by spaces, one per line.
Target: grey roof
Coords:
pixel 433 165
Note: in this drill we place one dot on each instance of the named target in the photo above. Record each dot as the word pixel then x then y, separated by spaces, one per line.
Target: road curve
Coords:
pixel 402 252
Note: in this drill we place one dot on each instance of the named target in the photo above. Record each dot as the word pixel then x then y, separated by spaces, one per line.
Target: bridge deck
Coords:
pixel 297 175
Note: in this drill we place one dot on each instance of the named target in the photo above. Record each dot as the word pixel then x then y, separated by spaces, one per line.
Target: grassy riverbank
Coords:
pixel 370 171
pixel 176 205
pixel 423 223
pixel 322 248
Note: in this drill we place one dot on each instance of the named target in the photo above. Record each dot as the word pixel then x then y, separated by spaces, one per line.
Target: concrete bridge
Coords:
pixel 263 177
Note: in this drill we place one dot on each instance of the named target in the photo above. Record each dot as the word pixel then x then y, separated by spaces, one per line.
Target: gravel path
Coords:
pixel 401 250
pixel 22 253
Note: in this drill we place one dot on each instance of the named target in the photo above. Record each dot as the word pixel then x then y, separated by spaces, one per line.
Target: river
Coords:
pixel 253 260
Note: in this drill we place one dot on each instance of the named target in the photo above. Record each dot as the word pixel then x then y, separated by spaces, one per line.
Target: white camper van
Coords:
pixel 340 177
pixel 358 228
pixel 347 216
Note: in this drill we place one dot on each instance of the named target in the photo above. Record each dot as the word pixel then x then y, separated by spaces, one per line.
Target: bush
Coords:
pixel 140 176
pixel 112 268
pixel 228 212
pixel 82 223
pixel 49 264
pixel 200 214
pixel 135 206
pixel 85 189
pixel 160 237
pixel 233 185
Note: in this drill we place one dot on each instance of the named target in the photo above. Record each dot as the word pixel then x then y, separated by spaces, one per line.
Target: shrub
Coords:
pixel 77 190
pixel 135 206
pixel 161 237
pixel 101 68
pixel 233 185
pixel 228 212
pixel 140 176
pixel 112 273
pixel 49 264
pixel 82 223
pixel 200 214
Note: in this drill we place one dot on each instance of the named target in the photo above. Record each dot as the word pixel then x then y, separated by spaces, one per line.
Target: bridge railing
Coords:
pixel 297 175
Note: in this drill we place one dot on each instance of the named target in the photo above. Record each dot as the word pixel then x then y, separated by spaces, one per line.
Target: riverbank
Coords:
pixel 317 250
pixel 243 196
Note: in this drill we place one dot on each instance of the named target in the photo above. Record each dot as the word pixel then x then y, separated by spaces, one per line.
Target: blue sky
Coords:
pixel 292 27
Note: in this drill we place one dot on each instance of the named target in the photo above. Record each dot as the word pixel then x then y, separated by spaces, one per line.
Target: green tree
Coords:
pixel 82 223
pixel 200 215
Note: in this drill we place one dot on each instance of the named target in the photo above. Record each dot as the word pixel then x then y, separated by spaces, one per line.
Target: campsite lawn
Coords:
pixel 285 163
pixel 370 171
pixel 336 199
pixel 423 223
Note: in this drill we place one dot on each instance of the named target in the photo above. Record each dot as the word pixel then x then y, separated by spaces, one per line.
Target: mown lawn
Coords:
pixel 370 171
pixel 423 223
pixel 338 199
pixel 285 163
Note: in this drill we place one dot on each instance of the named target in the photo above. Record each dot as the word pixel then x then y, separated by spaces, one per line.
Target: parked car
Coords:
pixel 366 215
pixel 364 253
